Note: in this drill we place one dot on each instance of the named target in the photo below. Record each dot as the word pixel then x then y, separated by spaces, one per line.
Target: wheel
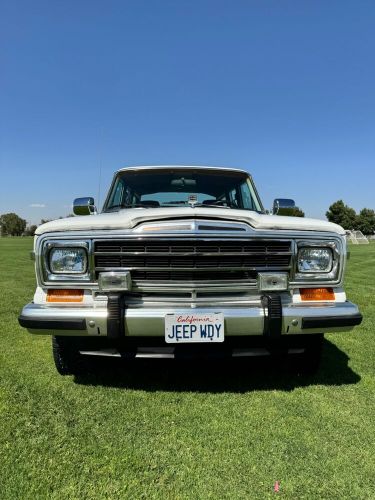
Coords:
pixel 66 355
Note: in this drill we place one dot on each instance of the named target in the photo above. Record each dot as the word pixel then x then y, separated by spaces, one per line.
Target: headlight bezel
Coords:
pixel 49 275
pixel 312 276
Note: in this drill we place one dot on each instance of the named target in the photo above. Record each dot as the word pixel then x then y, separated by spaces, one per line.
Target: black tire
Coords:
pixel 66 355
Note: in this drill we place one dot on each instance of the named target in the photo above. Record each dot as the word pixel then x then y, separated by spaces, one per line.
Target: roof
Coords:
pixel 195 167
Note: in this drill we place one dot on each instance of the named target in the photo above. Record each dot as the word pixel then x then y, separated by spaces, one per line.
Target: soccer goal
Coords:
pixel 356 237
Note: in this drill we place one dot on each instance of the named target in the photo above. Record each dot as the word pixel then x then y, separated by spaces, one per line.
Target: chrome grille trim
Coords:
pixel 193 269
pixel 203 286
pixel 193 299
pixel 214 263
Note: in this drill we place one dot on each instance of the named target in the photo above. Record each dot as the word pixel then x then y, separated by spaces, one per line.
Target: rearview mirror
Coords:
pixel 84 206
pixel 182 182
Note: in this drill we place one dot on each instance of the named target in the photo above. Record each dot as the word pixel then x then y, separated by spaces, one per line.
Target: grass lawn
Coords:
pixel 154 430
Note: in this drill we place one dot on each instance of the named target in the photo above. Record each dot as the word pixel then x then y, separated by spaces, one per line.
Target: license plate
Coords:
pixel 185 328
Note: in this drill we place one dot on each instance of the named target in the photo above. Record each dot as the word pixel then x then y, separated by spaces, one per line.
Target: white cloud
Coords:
pixel 37 205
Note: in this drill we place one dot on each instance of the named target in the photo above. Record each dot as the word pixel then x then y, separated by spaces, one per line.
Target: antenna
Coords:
pixel 101 135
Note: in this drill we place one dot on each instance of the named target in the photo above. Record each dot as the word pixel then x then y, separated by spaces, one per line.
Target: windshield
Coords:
pixel 180 188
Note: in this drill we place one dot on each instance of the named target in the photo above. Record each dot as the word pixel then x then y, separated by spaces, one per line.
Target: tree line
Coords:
pixel 13 225
pixel 347 217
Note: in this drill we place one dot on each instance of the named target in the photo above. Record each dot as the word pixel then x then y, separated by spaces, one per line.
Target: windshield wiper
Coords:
pixel 137 205
pixel 122 205
pixel 208 205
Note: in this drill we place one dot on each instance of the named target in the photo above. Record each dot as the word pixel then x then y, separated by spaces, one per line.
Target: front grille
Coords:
pixel 192 260
pixel 192 247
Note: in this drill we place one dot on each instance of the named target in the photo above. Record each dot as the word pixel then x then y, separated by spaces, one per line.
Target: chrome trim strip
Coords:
pixel 193 300
pixel 107 353
pixel 194 269
pixel 188 286
pixel 156 355
pixel 197 235
pixel 189 254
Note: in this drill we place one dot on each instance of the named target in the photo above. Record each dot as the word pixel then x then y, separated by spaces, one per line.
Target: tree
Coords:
pixel 12 225
pixel 366 221
pixel 30 230
pixel 341 214
pixel 292 212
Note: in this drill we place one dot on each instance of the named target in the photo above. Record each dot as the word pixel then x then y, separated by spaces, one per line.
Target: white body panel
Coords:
pixel 131 217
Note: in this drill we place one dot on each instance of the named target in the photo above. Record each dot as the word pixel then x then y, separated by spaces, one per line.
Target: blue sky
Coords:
pixel 284 89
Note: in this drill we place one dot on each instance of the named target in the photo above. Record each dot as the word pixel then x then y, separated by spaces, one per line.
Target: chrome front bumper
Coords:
pixel 148 321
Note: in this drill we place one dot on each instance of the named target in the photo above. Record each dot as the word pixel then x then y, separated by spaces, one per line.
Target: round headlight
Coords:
pixel 68 260
pixel 315 260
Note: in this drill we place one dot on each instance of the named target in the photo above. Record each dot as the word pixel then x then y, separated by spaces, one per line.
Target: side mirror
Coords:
pixel 84 206
pixel 282 205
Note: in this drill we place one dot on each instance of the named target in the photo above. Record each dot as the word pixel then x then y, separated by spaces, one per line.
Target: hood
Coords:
pixel 130 218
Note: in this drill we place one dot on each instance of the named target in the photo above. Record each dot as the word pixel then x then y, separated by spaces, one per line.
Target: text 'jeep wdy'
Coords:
pixel 184 261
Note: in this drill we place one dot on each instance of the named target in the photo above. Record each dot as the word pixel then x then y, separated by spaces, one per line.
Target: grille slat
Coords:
pixel 192 276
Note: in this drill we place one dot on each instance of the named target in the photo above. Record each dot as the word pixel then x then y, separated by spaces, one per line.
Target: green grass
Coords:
pixel 154 430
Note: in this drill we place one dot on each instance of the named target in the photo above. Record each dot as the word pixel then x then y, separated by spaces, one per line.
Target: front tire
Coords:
pixel 66 355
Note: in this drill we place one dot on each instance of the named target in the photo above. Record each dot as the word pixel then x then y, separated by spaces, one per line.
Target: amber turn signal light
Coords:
pixel 64 295
pixel 317 294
